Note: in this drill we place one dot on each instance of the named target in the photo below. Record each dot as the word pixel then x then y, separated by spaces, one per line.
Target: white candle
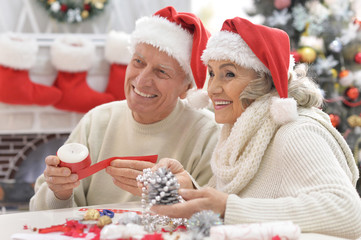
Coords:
pixel 72 152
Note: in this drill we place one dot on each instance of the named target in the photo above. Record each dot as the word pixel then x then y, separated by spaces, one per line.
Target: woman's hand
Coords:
pixel 178 171
pixel 196 201
pixel 59 179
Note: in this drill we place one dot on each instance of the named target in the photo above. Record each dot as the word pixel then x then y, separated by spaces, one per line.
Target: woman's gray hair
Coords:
pixel 300 87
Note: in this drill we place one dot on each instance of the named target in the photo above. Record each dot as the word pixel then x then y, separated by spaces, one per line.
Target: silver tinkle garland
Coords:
pixel 159 188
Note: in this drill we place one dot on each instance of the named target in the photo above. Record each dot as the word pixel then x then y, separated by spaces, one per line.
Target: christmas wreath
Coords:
pixel 75 11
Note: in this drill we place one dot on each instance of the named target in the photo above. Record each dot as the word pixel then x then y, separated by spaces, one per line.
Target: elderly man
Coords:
pixel 153 119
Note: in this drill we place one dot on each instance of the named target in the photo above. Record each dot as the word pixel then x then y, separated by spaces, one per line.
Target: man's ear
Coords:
pixel 183 95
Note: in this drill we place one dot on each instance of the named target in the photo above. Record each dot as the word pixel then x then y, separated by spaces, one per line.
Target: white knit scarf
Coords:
pixel 240 149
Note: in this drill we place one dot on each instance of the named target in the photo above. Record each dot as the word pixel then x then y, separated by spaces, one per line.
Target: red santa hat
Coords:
pixel 263 49
pixel 182 36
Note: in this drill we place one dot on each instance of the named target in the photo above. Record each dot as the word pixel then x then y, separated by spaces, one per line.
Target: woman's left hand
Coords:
pixel 196 201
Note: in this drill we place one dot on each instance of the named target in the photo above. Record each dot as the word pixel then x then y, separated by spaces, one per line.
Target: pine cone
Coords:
pixel 163 188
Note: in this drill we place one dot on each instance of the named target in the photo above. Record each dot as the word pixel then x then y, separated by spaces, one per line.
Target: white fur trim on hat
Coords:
pixel 117 48
pixel 72 54
pixel 198 98
pixel 17 51
pixel 291 66
pixel 226 45
pixel 167 36
pixel 283 110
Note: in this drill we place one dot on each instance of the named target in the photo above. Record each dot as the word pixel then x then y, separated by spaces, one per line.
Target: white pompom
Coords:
pixel 198 98
pixel 283 110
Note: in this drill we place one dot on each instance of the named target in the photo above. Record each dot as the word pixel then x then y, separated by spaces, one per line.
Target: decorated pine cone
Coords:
pixel 163 188
pixel 201 222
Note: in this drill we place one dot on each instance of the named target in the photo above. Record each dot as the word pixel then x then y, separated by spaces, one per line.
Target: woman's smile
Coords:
pixel 220 103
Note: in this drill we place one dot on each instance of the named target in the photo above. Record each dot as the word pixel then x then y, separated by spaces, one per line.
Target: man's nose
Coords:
pixel 144 78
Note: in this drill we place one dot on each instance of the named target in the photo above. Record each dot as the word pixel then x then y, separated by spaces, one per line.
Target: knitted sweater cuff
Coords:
pixel 55 203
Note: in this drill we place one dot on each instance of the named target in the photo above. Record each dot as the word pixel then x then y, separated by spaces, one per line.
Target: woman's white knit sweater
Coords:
pixel 306 175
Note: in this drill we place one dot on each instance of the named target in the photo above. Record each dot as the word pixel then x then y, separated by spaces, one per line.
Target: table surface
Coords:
pixel 13 223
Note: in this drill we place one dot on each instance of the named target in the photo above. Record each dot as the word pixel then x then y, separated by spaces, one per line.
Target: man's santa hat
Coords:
pixel 263 49
pixel 182 36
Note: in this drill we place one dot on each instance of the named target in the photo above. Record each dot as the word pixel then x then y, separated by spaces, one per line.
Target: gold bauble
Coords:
pixel 84 14
pixel 51 1
pixel 354 121
pixel 308 54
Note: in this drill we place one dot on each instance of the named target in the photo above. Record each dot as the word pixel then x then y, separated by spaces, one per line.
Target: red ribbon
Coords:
pixel 83 168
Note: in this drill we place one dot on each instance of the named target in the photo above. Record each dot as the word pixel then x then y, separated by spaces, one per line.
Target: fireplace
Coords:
pixel 28 133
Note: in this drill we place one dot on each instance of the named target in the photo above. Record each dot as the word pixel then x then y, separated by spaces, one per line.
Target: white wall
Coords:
pixel 117 15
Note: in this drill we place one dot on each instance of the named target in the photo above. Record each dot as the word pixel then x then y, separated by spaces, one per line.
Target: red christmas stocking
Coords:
pixel 118 56
pixel 17 56
pixel 73 57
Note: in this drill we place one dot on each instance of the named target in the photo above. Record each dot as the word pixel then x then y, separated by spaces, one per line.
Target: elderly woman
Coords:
pixel 278 157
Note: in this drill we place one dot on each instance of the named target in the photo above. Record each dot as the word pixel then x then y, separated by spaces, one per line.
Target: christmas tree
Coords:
pixel 326 35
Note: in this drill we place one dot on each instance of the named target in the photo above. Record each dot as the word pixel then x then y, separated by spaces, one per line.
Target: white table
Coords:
pixel 14 222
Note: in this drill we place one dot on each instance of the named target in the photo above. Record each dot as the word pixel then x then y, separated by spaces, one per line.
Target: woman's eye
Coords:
pixel 211 74
pixel 230 74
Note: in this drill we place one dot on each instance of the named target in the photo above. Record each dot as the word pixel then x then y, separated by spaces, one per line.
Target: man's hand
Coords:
pixel 125 172
pixel 196 200
pixel 59 179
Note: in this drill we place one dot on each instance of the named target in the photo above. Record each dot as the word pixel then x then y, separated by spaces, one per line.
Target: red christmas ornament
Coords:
pixel 63 7
pixel 296 56
pixel 281 4
pixel 358 58
pixel 335 120
pixel 87 6
pixel 352 93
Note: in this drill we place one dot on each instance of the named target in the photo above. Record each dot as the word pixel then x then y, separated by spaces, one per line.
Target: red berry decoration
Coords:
pixel 358 58
pixel 335 120
pixel 296 56
pixel 357 21
pixel 63 7
pixel 352 93
pixel 87 7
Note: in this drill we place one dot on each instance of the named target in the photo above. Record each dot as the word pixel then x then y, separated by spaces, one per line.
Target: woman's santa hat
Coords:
pixel 263 49
pixel 182 36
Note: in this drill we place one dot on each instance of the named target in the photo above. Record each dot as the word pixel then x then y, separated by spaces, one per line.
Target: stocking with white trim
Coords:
pixel 73 56
pixel 17 56
pixel 118 56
